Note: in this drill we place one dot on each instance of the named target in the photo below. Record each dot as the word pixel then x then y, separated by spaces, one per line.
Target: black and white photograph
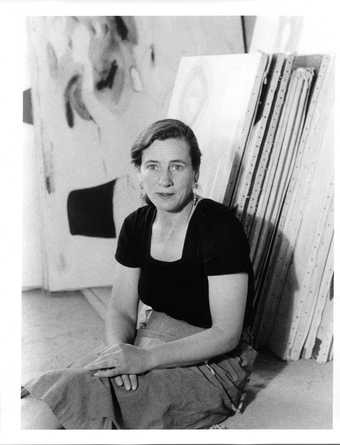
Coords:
pixel 177 222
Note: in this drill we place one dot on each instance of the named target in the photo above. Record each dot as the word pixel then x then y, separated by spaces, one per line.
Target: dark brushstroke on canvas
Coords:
pixel 48 184
pixel 52 60
pixel 90 211
pixel 69 114
pixel 27 107
pixel 122 29
pixel 74 101
pixel 104 54
pixel 152 53
pixel 108 82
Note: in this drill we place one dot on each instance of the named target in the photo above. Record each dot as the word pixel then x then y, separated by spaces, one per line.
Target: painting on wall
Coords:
pixel 96 83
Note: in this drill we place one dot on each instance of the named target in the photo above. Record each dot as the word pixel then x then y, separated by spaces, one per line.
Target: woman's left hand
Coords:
pixel 120 359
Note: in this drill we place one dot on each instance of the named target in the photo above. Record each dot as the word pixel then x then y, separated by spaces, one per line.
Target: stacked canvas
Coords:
pixel 283 193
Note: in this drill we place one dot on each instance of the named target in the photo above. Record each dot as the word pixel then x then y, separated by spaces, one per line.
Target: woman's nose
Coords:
pixel 165 178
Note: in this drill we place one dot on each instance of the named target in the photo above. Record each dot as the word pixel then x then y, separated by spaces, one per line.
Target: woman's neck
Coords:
pixel 175 219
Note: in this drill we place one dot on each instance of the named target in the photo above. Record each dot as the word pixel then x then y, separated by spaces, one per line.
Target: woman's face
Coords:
pixel 167 175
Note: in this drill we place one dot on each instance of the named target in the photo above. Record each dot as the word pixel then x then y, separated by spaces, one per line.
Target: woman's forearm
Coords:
pixel 121 318
pixel 120 325
pixel 120 328
pixel 193 349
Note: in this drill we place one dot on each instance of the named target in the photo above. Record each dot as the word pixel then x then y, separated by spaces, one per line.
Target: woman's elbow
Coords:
pixel 226 340
pixel 233 342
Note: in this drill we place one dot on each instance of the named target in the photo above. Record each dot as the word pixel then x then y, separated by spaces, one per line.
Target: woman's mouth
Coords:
pixel 165 195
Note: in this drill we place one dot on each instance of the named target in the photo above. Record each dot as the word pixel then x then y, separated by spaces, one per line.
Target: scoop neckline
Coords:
pixel 185 238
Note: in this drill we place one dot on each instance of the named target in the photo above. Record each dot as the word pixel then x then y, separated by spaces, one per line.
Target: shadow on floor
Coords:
pixel 267 367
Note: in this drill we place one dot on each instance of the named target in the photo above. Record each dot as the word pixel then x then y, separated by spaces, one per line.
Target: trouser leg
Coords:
pixel 37 415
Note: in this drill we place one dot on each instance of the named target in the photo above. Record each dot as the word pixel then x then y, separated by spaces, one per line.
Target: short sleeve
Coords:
pixel 128 250
pixel 226 249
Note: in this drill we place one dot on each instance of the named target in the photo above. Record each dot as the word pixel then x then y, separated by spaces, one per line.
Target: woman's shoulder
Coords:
pixel 219 228
pixel 217 221
pixel 215 213
pixel 140 216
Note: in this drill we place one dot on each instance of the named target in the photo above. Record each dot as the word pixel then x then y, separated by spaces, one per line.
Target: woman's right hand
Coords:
pixel 129 381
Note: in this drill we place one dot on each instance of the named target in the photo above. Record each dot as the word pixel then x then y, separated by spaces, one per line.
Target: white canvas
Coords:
pixel 212 95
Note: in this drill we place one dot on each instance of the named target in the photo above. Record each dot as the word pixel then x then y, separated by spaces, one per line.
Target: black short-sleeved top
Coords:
pixel 215 244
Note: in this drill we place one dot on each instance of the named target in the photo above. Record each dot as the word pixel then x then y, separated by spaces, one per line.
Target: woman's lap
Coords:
pixel 182 397
pixel 191 397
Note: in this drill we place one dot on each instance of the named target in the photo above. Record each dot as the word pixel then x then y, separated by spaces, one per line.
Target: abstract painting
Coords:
pixel 96 83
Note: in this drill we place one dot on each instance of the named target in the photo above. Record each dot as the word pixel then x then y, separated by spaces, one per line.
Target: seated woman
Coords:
pixel 188 258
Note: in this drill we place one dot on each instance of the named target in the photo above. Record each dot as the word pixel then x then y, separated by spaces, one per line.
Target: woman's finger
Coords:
pixel 110 348
pixel 107 373
pixel 101 363
pixel 134 381
pixel 118 380
pixel 126 381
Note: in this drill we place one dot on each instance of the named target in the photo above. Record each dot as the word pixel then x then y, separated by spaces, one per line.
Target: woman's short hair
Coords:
pixel 166 129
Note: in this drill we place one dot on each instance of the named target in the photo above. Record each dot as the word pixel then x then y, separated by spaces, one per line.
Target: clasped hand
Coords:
pixel 122 361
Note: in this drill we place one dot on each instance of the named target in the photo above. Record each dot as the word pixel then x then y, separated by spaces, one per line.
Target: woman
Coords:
pixel 187 257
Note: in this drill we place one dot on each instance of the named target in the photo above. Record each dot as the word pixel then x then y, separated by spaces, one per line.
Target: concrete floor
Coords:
pixel 63 327
pixel 57 329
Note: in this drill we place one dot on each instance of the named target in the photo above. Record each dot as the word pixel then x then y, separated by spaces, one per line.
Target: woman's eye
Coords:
pixel 151 166
pixel 177 167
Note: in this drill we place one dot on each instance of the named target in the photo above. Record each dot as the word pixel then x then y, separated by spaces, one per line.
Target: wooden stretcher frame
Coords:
pixel 319 305
pixel 253 104
pixel 263 165
pixel 256 144
pixel 273 107
pixel 283 148
pixel 325 333
pixel 320 63
pixel 300 191
pixel 285 152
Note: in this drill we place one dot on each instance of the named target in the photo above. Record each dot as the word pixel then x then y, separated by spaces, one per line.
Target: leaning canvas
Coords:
pixel 214 95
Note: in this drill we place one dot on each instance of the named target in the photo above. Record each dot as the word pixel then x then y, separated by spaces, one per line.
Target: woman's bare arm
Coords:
pixel 227 298
pixel 121 316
